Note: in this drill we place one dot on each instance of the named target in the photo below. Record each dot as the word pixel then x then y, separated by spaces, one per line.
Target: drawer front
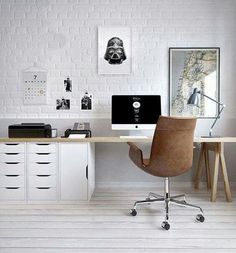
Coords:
pixel 11 181
pixel 12 157
pixel 42 181
pixel 42 147
pixel 12 193
pixel 12 168
pixel 42 157
pixel 12 147
pixel 42 168
pixel 42 193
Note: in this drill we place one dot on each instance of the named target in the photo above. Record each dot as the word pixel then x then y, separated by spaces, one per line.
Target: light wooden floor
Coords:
pixel 104 225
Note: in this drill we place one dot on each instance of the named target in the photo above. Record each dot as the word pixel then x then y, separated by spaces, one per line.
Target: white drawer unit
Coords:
pixel 42 171
pixel 12 180
pixel 42 168
pixel 12 157
pixel 11 193
pixel 12 168
pixel 12 147
pixel 42 157
pixel 42 193
pixel 46 172
pixel 42 147
pixel 12 171
pixel 42 181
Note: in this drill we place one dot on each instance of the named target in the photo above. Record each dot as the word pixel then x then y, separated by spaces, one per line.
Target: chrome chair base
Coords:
pixel 167 199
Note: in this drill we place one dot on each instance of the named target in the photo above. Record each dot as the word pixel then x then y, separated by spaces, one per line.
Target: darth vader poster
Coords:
pixel 114 50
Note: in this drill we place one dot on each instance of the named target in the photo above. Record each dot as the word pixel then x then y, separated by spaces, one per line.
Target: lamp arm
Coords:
pixel 201 93
pixel 223 106
pixel 192 100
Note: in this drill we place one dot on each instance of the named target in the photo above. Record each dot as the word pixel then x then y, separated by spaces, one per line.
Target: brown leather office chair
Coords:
pixel 171 155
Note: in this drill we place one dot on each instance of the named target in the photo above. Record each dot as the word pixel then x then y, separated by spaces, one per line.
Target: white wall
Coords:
pixel 61 35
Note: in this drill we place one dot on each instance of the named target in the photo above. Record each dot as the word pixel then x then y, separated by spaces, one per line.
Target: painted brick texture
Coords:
pixel 61 36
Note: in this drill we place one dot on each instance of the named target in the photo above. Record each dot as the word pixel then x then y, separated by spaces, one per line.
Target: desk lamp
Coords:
pixel 194 100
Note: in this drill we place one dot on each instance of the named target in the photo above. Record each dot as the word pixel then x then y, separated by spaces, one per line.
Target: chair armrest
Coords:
pixel 136 155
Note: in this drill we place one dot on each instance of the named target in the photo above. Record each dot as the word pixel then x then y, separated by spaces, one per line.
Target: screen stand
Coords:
pixel 136 134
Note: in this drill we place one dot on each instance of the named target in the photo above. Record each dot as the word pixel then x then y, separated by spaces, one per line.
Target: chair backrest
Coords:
pixel 172 146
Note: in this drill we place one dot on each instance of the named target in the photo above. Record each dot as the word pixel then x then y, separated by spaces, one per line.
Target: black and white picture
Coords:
pixel 63 104
pixel 68 85
pixel 114 50
pixel 86 101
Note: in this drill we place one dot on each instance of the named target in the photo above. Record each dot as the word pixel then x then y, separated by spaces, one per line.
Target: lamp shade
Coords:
pixel 194 98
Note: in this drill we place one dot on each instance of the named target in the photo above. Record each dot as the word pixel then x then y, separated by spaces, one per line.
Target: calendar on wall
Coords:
pixel 35 85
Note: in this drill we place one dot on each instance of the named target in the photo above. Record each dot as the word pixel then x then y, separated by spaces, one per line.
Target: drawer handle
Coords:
pixel 42 153
pixel 12 188
pixel 12 175
pixel 43 144
pixel 12 144
pixel 43 175
pixel 43 188
pixel 12 153
pixel 12 162
pixel 43 162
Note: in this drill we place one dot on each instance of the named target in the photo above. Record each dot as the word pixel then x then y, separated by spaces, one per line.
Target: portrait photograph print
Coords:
pixel 114 50
pixel 63 104
pixel 189 69
pixel 86 102
pixel 68 84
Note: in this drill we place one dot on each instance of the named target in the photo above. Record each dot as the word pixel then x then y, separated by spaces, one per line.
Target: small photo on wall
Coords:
pixel 63 104
pixel 68 84
pixel 87 102
pixel 114 50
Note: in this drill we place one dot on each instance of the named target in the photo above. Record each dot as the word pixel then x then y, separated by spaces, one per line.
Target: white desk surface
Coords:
pixel 110 139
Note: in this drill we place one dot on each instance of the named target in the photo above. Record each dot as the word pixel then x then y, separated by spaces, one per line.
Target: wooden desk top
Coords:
pixel 93 139
pixel 110 139
pixel 215 139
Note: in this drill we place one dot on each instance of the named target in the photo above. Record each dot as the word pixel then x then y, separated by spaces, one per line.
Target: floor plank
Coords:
pixel 104 225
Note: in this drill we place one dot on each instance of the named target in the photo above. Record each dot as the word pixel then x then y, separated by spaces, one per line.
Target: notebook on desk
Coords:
pixel 79 129
pixel 77 136
pixel 133 137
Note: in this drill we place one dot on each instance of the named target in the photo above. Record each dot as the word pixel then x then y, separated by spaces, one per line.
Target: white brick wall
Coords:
pixel 61 35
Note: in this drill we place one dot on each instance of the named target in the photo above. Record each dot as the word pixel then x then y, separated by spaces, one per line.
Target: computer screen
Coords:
pixel 130 112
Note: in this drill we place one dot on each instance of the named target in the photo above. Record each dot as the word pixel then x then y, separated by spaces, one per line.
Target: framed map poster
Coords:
pixel 191 68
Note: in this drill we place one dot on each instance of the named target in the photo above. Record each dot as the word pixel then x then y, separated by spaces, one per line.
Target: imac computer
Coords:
pixel 135 112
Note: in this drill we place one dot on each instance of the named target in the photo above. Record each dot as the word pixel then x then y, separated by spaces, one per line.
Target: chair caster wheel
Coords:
pixel 165 225
pixel 200 218
pixel 133 212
